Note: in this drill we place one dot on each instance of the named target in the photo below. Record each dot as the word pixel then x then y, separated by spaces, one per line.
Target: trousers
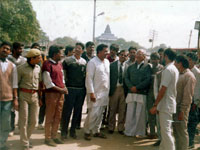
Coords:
pixel 167 142
pixel 5 119
pixel 54 106
pixel 117 104
pixel 28 115
pixel 73 101
pixel 180 131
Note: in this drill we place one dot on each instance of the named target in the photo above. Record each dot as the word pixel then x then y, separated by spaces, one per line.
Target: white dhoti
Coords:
pixel 135 115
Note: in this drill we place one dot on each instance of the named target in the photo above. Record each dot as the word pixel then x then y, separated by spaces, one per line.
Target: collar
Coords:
pixel 171 63
pixel 119 63
pixel 99 59
pixel 76 58
pixel 51 60
pixel 194 68
pixel 186 70
pixel 140 63
pixel 89 56
pixel 20 57
pixel 3 59
pixel 32 66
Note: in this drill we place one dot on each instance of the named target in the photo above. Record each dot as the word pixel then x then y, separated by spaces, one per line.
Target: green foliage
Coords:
pixel 43 38
pixel 126 44
pixel 156 48
pixel 18 21
pixel 65 41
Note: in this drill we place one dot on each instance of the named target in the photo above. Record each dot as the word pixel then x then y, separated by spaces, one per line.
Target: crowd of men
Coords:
pixel 156 98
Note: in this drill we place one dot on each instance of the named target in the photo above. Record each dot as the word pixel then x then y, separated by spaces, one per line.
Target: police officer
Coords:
pixel 29 75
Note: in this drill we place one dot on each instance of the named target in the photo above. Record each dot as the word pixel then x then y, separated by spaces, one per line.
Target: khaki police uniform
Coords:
pixel 28 82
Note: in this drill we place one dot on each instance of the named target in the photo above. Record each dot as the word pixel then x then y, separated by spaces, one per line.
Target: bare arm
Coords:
pixel 15 99
pixel 161 94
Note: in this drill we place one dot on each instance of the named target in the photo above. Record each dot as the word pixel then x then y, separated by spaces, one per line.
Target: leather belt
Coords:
pixel 28 90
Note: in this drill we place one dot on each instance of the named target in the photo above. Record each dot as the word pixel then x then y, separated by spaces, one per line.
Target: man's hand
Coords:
pixel 15 104
pixel 40 102
pixel 180 116
pixel 153 110
pixel 64 91
pixel 194 107
pixel 92 97
pixel 133 89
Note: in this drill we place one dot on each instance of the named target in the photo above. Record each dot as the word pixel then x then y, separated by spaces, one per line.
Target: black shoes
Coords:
pixel 87 137
pixel 73 135
pixel 100 135
pixel 58 141
pixel 110 131
pixel 121 132
pixel 63 137
pixel 157 143
pixel 50 142
pixel 78 127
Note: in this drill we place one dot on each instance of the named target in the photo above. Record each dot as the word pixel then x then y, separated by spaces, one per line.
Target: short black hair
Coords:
pixel 114 47
pixel 89 44
pixel 132 48
pixel 35 44
pixel 68 48
pixel 170 53
pixel 121 51
pixel 160 50
pixel 155 55
pixel 6 43
pixel 100 47
pixel 17 45
pixel 193 56
pixel 81 44
pixel 54 49
pixel 183 60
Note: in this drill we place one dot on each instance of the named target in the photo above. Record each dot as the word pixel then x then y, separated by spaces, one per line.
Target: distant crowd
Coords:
pixel 125 92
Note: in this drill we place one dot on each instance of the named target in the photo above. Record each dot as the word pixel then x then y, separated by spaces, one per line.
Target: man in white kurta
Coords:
pixel 97 85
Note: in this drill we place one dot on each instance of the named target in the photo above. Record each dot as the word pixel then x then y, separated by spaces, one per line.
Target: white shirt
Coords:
pixel 98 81
pixel 196 73
pixel 21 60
pixel 138 66
pixel 4 66
pixel 47 78
pixel 79 61
pixel 169 79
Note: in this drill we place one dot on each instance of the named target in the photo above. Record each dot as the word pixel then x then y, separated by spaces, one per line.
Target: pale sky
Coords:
pixel 131 20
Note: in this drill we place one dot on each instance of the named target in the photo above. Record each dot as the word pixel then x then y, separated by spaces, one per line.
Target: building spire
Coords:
pixel 107 30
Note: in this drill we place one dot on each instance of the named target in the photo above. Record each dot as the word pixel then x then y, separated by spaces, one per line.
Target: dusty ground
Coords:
pixel 113 142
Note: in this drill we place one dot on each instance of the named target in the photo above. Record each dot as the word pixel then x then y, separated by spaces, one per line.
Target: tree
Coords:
pixel 156 48
pixel 126 44
pixel 18 21
pixel 65 41
pixel 43 38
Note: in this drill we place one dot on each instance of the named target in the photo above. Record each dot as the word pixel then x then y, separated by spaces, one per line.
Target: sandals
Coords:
pixel 100 135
